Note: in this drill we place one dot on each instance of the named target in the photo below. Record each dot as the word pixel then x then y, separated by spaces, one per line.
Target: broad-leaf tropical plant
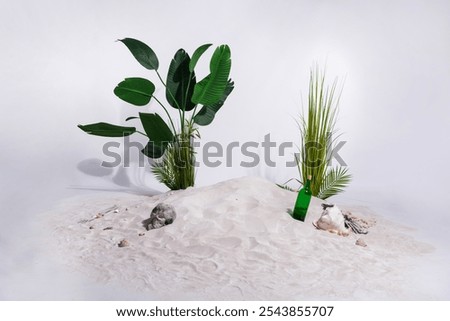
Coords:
pixel 317 131
pixel 170 143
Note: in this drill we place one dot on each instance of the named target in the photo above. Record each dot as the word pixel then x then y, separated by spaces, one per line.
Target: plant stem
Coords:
pixel 171 95
pixel 185 100
pixel 191 121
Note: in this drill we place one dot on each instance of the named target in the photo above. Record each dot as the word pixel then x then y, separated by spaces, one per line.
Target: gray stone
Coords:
pixel 123 243
pixel 162 215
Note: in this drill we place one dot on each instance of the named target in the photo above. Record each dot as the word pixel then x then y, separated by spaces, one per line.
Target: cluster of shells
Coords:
pixel 341 223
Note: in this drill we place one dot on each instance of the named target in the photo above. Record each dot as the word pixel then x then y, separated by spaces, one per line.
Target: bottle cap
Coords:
pixel 309 177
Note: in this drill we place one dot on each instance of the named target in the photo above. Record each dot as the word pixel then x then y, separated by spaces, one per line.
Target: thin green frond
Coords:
pixel 334 182
pixel 176 169
pixel 287 188
pixel 165 168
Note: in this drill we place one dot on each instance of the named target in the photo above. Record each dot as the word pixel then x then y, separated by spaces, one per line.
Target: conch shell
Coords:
pixel 332 220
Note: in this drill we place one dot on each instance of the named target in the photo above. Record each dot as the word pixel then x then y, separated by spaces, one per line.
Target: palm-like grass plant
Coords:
pixel 317 129
pixel 176 168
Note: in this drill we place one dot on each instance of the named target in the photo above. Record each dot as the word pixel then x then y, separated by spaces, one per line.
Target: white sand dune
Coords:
pixel 233 241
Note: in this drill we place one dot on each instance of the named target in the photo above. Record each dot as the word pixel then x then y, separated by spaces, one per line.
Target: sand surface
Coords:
pixel 232 241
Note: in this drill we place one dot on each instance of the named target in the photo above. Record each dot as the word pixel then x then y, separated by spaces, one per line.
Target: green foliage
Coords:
pixel 136 91
pixel 171 146
pixel 180 82
pixel 206 115
pixel 107 130
pixel 158 132
pixel 155 150
pixel 197 54
pixel 210 89
pixel 176 168
pixel 334 182
pixel 155 128
pixel 143 53
pixel 317 129
pixel 287 188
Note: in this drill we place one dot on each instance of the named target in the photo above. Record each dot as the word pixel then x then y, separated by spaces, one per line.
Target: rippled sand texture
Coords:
pixel 233 241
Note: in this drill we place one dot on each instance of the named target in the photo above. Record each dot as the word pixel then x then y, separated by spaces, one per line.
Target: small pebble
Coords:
pixel 141 234
pixel 107 228
pixel 91 227
pixel 116 211
pixel 361 242
pixel 123 243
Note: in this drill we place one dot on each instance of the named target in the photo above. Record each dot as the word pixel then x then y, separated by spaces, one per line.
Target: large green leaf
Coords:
pixel 158 132
pixel 154 150
pixel 210 89
pixel 180 82
pixel 136 91
pixel 143 53
pixel 107 130
pixel 206 115
pixel 197 54
pixel 156 128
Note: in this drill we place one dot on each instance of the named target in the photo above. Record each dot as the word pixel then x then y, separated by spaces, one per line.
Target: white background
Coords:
pixel 59 63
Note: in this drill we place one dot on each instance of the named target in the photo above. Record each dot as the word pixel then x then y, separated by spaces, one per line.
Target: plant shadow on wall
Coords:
pixel 125 179
pixel 170 145
pixel 318 135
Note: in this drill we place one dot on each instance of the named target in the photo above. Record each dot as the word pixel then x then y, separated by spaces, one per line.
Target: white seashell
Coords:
pixel 332 220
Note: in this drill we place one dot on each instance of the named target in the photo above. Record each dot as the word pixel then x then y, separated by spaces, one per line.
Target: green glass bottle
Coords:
pixel 302 202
